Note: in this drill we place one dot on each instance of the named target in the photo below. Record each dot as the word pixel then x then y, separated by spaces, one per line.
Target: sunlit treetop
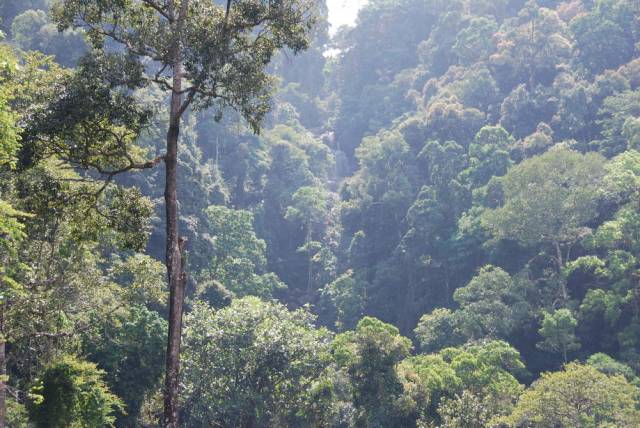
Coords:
pixel 223 49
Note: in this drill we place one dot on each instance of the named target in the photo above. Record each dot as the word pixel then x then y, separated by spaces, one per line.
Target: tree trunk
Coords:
pixel 174 256
pixel 406 318
pixel 560 263
pixel 175 243
pixel 309 265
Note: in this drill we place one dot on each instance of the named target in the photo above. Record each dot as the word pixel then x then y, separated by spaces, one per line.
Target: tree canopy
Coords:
pixel 233 214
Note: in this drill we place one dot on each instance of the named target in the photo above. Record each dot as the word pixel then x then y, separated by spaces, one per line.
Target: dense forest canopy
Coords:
pixel 428 219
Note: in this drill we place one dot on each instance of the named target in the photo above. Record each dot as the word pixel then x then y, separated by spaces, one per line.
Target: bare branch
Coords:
pixel 160 9
pixel 164 83
pixel 187 102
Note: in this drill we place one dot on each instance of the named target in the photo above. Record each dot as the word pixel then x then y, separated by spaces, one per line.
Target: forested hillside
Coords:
pixel 430 219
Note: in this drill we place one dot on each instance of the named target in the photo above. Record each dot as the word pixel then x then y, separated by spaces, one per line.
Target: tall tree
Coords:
pixel 252 364
pixel 549 199
pixel 238 256
pixel 369 355
pixel 558 332
pixel 309 206
pixel 579 395
pixel 10 226
pixel 204 55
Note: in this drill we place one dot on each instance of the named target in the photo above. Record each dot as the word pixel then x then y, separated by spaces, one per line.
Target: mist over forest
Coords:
pixel 223 214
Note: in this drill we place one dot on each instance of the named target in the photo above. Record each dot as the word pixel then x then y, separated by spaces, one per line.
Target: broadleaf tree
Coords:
pixel 205 55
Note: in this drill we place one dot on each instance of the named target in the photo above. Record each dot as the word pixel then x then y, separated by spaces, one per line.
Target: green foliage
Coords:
pixel 309 209
pixel 490 305
pixel 601 304
pixel 72 393
pixel 579 396
pixel 605 36
pixel 631 132
pixel 616 118
pixel 523 110
pixel 493 360
pixel 459 384
pixel 32 30
pixel 9 131
pixel 611 367
pixel 464 411
pixel 474 43
pixel 238 255
pixel 449 119
pixel 127 213
pixel 54 275
pixel 11 229
pixel 25 27
pixel 375 201
pixel 549 198
pixel 369 354
pixel 532 48
pixel 9 10
pixel 488 155
pixel 240 81
pixel 17 415
pixel 558 332
pixel 90 124
pixel 143 280
pixel 308 206
pixel 298 161
pixel 347 296
pixel 370 98
pixel 470 166
pixel 438 330
pixel 252 363
pixel 129 346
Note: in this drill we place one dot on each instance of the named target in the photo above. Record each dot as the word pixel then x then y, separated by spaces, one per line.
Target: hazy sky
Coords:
pixel 343 12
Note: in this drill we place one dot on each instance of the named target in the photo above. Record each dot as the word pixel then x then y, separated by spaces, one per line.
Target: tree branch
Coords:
pixel 160 9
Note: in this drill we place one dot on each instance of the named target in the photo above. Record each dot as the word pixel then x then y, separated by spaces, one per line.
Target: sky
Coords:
pixel 343 12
